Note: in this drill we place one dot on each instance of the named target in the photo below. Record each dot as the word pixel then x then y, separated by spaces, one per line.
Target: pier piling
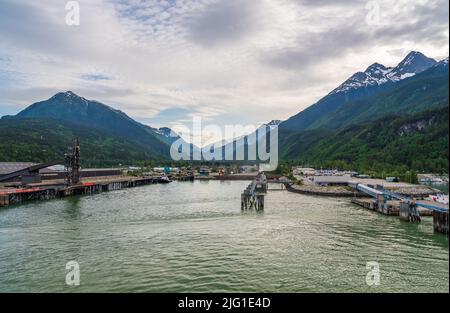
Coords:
pixel 440 222
pixel 409 212
pixel 253 195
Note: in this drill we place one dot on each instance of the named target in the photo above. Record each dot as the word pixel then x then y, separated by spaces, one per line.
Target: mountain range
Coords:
pixel 77 113
pixel 363 87
pixel 417 88
pixel 382 119
pixel 378 74
pixel 378 103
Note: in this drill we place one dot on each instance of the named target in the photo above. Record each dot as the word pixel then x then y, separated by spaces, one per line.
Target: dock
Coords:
pixel 253 195
pixel 389 198
pixel 405 207
pixel 392 208
pixel 55 189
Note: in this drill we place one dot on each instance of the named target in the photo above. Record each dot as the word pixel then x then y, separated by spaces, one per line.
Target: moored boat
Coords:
pixel 164 180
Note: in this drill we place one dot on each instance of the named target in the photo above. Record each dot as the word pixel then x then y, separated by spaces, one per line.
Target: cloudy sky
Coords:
pixel 229 61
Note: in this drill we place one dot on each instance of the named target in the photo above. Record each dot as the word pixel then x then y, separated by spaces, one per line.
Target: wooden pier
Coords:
pixel 253 195
pixel 407 211
pixel 392 208
pixel 440 222
pixel 11 196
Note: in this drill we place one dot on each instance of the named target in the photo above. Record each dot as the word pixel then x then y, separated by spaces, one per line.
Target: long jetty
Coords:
pixel 11 196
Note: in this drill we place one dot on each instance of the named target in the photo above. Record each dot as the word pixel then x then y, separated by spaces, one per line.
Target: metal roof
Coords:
pixel 9 167
pixel 331 179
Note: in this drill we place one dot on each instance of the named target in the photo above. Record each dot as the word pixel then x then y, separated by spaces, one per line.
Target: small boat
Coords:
pixel 164 180
pixel 441 198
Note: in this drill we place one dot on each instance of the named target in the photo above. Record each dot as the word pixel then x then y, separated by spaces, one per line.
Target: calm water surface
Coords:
pixel 186 237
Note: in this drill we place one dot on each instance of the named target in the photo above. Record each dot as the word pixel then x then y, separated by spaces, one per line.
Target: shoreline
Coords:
pixel 416 191
pixel 55 189
pixel 324 193
pixel 237 177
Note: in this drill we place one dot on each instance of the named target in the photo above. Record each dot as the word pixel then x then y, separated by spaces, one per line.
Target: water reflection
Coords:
pixel 72 207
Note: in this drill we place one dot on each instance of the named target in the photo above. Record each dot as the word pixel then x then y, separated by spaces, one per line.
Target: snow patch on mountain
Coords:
pixel 443 62
pixel 378 74
pixel 274 123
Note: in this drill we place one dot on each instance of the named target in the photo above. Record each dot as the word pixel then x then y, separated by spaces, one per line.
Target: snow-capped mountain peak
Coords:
pixel 377 69
pixel 444 61
pixel 274 123
pixel 414 63
pixel 378 74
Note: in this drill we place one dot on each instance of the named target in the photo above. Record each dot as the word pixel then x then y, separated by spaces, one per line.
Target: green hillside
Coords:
pixel 39 140
pixel 417 141
pixel 397 127
pixel 71 108
pixel 425 91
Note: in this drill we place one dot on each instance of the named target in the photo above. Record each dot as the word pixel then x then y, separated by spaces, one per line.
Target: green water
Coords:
pixel 184 237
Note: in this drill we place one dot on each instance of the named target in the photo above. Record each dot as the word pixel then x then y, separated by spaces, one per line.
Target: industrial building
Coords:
pixel 53 172
pixel 332 180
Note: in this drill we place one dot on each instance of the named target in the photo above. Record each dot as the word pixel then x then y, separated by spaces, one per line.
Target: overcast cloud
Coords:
pixel 246 61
